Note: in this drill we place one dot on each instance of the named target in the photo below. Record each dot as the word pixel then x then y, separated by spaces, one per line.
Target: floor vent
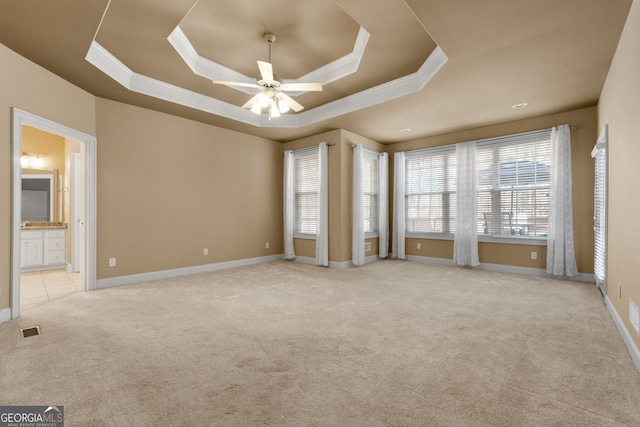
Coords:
pixel 30 332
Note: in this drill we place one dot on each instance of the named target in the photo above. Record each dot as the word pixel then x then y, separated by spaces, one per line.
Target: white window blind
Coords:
pixel 370 192
pixel 514 185
pixel 306 191
pixel 599 219
pixel 430 189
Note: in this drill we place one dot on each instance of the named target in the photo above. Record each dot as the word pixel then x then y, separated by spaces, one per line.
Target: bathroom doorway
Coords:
pixel 63 249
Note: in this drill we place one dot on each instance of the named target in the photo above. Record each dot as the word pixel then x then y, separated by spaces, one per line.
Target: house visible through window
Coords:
pixel 370 192
pixel 306 192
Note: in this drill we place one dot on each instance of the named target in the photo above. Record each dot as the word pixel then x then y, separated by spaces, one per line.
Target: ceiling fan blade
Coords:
pixel 290 101
pixel 266 71
pixel 302 87
pixel 226 82
pixel 252 101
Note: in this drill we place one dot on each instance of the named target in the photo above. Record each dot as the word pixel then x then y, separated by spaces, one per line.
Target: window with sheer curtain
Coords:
pixel 370 187
pixel 514 185
pixel 306 188
pixel 430 190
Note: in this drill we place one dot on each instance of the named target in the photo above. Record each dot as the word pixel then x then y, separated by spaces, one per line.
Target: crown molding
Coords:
pixel 211 70
pixel 114 68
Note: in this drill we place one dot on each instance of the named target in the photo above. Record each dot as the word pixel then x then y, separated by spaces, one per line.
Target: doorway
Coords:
pixel 85 215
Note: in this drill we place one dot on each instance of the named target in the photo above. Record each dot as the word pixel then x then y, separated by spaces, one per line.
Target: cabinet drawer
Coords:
pixel 54 257
pixel 55 233
pixel 31 234
pixel 54 244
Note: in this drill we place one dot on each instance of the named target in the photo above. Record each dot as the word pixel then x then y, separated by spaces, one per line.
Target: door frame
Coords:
pixel 89 145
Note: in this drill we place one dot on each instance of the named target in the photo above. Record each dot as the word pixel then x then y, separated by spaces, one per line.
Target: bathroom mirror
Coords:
pixel 37 197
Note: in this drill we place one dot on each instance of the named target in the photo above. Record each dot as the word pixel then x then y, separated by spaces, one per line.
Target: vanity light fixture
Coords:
pixel 32 161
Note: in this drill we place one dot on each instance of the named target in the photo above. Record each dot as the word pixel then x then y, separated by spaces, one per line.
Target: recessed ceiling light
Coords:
pixel 518 106
pixel 406 130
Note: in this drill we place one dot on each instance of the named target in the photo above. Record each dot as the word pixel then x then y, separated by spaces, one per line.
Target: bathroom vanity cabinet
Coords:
pixel 43 249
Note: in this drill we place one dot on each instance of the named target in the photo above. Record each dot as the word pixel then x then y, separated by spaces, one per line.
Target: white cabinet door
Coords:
pixel 31 253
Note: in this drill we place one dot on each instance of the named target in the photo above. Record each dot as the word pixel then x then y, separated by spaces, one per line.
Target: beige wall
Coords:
pixel 583 137
pixel 168 188
pixel 29 87
pixel 619 109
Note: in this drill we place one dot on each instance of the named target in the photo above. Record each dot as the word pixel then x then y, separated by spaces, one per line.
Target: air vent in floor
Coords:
pixel 30 332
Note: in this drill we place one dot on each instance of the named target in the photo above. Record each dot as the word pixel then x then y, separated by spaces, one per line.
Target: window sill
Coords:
pixel 371 235
pixel 304 236
pixel 536 241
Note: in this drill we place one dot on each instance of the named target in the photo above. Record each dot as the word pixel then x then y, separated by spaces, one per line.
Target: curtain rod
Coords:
pixel 313 147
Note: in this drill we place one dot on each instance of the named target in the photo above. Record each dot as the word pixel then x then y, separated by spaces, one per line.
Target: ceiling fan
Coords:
pixel 272 96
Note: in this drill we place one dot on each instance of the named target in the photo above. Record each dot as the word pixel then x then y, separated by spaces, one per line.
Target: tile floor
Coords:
pixel 40 287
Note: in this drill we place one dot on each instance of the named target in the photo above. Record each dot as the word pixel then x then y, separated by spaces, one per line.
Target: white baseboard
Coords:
pixel 334 264
pixel 502 268
pixel 164 274
pixel 5 315
pixel 634 352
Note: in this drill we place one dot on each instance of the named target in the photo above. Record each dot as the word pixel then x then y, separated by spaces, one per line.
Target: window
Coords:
pixel 306 190
pixel 514 185
pixel 370 186
pixel 430 190
pixel 599 153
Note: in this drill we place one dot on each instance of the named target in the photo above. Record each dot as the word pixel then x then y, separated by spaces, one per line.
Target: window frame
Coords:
pixel 507 140
pixel 298 154
pixel 510 141
pixel 447 151
pixel 376 171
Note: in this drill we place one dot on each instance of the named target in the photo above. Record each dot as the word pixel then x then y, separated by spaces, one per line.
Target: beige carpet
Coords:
pixel 286 344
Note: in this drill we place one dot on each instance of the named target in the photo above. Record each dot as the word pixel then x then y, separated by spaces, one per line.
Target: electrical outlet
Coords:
pixel 634 316
pixel 112 262
pixel 534 255
pixel 266 245
pixel 205 251
pixel 418 245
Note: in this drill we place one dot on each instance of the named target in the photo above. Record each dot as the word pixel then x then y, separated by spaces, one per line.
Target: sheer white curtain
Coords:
pixel 465 243
pixel 357 237
pixel 383 205
pixel 322 236
pixel 397 245
pixel 561 258
pixel 289 219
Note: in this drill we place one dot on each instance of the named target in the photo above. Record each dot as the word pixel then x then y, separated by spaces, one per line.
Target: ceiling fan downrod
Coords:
pixel 269 38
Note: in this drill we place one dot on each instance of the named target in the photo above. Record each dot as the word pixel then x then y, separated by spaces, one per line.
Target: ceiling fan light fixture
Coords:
pixel 273 110
pixel 256 108
pixel 271 95
pixel 263 100
pixel 283 106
